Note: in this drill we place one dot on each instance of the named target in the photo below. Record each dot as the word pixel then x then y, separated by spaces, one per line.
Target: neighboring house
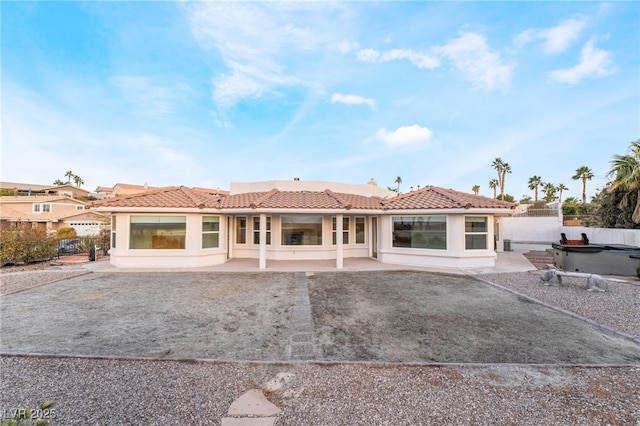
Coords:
pixel 294 220
pixel 121 189
pixel 50 212
pixel 31 189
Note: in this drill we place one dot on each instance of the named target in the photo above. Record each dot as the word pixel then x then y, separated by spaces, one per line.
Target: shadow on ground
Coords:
pixel 404 316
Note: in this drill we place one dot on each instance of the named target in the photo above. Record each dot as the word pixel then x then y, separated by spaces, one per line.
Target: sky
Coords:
pixel 208 93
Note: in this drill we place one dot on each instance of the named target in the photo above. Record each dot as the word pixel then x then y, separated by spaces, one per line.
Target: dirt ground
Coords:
pixel 381 316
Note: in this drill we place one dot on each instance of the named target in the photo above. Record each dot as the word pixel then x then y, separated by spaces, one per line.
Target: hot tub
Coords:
pixel 602 259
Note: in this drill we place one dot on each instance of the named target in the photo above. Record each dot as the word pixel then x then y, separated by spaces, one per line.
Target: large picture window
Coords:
pixel 301 230
pixel 210 232
pixel 158 232
pixel 427 232
pixel 476 232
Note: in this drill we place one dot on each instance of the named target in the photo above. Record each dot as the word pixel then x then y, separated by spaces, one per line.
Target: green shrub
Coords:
pixel 26 244
pixel 66 233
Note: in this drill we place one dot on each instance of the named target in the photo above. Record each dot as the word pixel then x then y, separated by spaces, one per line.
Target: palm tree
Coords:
pixel 398 181
pixel 502 168
pixel 493 184
pixel 549 191
pixel 70 176
pixel 476 189
pixel 58 182
pixel 561 188
pixel 534 184
pixel 78 180
pixel 626 169
pixel 583 173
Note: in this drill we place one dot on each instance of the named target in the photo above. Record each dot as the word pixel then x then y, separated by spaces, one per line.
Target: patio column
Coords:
pixel 262 262
pixel 339 242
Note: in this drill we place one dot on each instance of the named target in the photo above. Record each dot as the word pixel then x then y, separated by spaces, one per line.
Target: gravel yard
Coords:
pixel 91 391
pixel 617 308
pixel 389 316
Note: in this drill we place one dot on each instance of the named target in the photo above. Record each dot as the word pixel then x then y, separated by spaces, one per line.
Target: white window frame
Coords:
pixel 212 232
pixel 345 229
pixel 477 233
pixel 256 230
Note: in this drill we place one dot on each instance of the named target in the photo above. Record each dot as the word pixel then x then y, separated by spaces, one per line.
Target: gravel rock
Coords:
pixel 617 308
pixel 126 392
pixel 98 391
pixel 12 282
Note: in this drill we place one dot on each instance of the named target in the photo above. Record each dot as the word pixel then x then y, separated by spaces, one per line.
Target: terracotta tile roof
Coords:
pixel 432 197
pixel 182 197
pixel 38 199
pixel 276 199
pixel 168 197
pixel 132 186
pixel 7 213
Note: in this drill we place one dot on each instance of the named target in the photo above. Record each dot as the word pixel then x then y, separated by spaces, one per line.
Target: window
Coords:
pixel 41 208
pixel 427 232
pixel 241 230
pixel 359 230
pixel 210 231
pixel 301 230
pixel 79 207
pixel 158 232
pixel 345 230
pixel 256 230
pixel 476 231
pixel 113 231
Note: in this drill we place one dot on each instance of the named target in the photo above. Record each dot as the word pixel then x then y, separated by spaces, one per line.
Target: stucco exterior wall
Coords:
pixel 191 256
pixel 455 255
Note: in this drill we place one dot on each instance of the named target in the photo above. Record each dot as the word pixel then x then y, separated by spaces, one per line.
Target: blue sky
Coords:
pixel 204 94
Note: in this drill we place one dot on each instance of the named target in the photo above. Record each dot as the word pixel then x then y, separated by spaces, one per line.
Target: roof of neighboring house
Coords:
pixel 10 214
pixel 38 199
pixel 131 186
pixel 216 191
pixel 66 186
pixel 168 197
pixel 23 186
pixel 428 198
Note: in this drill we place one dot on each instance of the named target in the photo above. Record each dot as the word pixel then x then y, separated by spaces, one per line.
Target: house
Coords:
pixel 120 189
pixel 50 212
pixel 33 189
pixel 296 220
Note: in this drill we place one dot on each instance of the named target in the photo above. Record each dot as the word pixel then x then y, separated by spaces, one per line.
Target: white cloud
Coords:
pixel 471 55
pixel 352 100
pixel 149 98
pixel 253 40
pixel 594 63
pixel 555 39
pixel 403 136
pixel 346 46
pixel 421 60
